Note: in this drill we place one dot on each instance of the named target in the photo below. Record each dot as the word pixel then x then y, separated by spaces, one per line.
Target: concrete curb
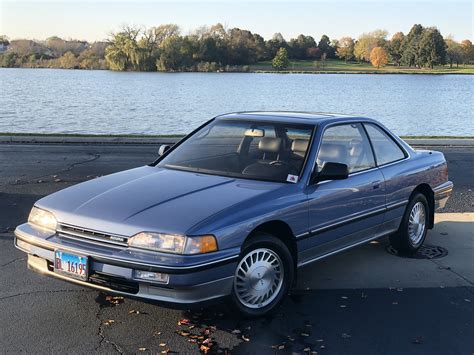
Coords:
pixel 445 142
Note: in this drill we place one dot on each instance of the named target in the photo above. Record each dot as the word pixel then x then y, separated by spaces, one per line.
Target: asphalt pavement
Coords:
pixel 364 301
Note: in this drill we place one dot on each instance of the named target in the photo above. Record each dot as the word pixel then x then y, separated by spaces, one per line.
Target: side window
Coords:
pixel 346 144
pixel 386 150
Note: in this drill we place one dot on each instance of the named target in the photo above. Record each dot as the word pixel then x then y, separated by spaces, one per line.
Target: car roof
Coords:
pixel 288 116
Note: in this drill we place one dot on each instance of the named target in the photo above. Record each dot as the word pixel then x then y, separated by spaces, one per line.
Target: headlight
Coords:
pixel 42 219
pixel 173 243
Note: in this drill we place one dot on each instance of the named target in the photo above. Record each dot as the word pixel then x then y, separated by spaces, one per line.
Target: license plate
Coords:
pixel 71 265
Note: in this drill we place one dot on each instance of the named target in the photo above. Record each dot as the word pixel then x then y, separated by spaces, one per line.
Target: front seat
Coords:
pixel 266 167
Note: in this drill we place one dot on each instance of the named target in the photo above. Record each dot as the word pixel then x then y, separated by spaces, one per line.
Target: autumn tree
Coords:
pixel 468 51
pixel 395 49
pixel 368 41
pixel 346 48
pixel 378 57
pixel 454 52
pixel 68 61
pixel 281 60
pixel 122 53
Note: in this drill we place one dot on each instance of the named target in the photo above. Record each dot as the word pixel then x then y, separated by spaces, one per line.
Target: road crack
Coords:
pixel 68 168
pixel 450 269
pixel 13 261
pixel 39 292
pixel 101 335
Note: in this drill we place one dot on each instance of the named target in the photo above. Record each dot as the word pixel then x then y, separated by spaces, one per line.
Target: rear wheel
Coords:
pixel 414 226
pixel 263 275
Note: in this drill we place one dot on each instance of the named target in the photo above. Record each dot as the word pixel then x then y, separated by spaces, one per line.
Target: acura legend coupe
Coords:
pixel 235 208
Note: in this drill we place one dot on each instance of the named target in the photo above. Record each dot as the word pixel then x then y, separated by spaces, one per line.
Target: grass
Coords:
pixel 333 66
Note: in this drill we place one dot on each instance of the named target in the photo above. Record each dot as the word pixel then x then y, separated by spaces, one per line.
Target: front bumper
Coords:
pixel 442 194
pixel 112 271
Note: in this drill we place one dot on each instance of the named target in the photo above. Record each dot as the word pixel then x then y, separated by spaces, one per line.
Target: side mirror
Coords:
pixel 331 171
pixel 163 149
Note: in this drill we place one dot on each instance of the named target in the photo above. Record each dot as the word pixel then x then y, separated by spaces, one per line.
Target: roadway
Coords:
pixel 361 301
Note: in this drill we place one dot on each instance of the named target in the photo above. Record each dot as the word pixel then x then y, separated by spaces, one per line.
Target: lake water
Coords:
pixel 76 101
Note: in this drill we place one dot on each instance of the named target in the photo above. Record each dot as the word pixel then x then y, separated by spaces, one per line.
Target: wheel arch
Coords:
pixel 426 190
pixel 280 230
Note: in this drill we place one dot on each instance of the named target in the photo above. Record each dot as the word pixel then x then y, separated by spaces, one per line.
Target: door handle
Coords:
pixel 375 185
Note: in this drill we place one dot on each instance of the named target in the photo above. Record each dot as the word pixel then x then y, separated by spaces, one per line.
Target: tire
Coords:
pixel 411 235
pixel 255 293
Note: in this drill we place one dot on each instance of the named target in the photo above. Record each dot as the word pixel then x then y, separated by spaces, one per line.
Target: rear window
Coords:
pixel 386 150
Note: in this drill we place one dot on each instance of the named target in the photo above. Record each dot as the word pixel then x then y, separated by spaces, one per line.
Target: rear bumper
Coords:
pixel 442 194
pixel 187 285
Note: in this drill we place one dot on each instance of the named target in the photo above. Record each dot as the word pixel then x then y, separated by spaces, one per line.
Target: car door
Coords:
pixel 390 158
pixel 344 212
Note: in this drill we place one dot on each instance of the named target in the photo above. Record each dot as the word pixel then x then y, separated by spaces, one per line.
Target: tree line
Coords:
pixel 215 48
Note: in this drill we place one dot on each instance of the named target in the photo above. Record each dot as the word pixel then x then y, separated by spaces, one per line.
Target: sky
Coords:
pixel 94 20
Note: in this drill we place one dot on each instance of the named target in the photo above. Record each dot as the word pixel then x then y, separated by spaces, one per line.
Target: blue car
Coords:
pixel 235 208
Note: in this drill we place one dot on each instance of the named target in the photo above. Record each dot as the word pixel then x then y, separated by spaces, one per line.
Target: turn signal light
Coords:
pixel 200 245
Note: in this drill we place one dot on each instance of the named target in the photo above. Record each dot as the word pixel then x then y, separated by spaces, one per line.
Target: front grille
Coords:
pixel 114 283
pixel 74 232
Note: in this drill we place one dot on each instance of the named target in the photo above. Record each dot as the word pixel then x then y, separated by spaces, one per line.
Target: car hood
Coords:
pixel 150 199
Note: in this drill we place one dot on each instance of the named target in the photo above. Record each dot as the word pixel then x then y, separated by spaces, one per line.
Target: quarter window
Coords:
pixel 346 144
pixel 386 150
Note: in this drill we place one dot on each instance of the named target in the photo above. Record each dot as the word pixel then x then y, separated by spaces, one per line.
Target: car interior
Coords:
pixel 270 152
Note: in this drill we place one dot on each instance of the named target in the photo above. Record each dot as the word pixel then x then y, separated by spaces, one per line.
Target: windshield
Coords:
pixel 246 149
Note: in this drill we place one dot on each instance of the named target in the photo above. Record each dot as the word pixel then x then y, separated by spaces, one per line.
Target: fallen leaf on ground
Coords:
pixel 183 333
pixel 467 300
pixel 134 311
pixel 205 349
pixel 109 322
pixel 162 344
pixel 141 349
pixel 343 306
pixel 245 338
pixel 183 322
pixel 344 297
pixel 346 336
pixel 304 334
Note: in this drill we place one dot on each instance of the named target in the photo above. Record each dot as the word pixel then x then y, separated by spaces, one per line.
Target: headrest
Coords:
pixel 332 152
pixel 299 145
pixel 269 144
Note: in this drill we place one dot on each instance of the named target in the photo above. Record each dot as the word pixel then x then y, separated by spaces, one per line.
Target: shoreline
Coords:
pixel 444 71
pixel 86 139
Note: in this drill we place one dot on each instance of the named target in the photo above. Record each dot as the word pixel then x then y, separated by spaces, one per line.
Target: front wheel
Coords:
pixel 414 226
pixel 263 275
